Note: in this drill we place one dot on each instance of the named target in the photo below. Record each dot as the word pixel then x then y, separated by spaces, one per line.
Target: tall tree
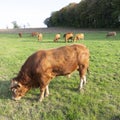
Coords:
pixel 15 25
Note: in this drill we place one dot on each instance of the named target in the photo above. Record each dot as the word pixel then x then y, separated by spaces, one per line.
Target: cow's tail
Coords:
pixel 64 35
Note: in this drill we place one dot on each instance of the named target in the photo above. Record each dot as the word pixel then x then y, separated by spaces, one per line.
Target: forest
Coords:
pixel 87 14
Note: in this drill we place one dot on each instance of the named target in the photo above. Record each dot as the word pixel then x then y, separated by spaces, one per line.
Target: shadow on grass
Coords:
pixel 28 41
pixel 33 94
pixel 50 42
pixel 43 41
pixel 64 83
pixel 5 90
pixel 117 117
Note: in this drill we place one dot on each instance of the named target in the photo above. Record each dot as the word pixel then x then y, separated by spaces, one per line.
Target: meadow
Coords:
pixel 100 98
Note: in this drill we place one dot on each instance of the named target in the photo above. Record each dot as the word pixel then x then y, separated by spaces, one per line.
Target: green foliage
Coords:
pixel 99 100
pixel 88 14
pixel 15 25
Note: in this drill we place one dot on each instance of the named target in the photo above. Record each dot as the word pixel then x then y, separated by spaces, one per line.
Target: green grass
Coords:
pixel 100 99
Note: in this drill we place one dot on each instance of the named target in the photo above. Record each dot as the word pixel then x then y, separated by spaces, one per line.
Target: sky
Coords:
pixel 30 13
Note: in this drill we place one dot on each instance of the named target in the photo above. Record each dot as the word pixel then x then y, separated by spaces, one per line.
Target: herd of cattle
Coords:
pixel 67 36
pixel 44 65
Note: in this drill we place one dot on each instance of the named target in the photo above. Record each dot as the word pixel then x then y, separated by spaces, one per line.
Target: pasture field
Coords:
pixel 100 98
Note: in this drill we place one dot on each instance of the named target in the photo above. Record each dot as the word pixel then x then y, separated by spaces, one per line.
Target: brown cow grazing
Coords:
pixel 40 36
pixel 68 36
pixel 42 66
pixel 33 34
pixel 79 37
pixel 20 35
pixel 57 37
pixel 111 34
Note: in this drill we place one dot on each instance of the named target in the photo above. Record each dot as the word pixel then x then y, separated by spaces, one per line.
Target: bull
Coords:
pixel 43 65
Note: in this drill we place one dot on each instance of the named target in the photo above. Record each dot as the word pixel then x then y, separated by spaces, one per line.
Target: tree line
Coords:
pixel 87 14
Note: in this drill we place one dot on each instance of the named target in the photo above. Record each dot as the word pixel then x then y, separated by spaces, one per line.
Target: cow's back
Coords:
pixel 59 61
pixel 63 60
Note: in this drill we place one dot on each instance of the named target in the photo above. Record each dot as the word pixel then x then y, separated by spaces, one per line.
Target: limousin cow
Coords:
pixel 111 34
pixel 79 36
pixel 42 66
pixel 40 36
pixel 68 36
pixel 20 34
pixel 57 37
pixel 33 34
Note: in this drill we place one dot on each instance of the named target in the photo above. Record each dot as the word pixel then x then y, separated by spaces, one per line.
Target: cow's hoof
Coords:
pixel 46 95
pixel 41 99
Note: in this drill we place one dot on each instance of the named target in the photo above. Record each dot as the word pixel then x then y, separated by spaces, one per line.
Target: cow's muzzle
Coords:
pixel 16 98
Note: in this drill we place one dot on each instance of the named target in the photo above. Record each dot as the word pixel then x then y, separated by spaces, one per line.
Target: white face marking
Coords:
pixel 13 83
pixel 14 90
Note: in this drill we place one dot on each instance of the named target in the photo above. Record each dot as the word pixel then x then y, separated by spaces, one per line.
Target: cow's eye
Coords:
pixel 18 86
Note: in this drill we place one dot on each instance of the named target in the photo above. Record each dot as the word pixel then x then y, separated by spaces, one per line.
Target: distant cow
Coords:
pixel 40 36
pixel 79 36
pixel 20 35
pixel 33 34
pixel 42 66
pixel 111 34
pixel 57 37
pixel 68 36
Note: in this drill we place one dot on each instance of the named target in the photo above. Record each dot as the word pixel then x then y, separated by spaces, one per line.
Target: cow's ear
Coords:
pixel 13 83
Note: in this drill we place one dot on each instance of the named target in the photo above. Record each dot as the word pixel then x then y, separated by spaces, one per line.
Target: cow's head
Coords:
pixel 18 90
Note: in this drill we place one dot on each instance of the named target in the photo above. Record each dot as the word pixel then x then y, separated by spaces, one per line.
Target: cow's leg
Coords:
pixel 84 80
pixel 81 83
pixel 44 82
pixel 47 91
pixel 82 72
pixel 42 92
